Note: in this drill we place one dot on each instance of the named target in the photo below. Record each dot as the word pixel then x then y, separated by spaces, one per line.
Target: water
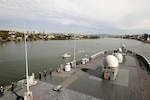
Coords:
pixel 45 54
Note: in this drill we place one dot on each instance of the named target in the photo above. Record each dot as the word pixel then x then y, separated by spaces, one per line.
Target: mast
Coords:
pixel 26 56
pixel 74 51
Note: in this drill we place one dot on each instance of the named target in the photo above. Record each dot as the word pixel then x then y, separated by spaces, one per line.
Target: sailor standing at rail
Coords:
pixel 1 91
pixel 12 86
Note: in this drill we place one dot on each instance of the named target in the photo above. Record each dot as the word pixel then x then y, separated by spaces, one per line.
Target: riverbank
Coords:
pixel 31 36
pixel 145 41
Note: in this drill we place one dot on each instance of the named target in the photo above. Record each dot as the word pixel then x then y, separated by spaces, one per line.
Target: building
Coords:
pixel 145 37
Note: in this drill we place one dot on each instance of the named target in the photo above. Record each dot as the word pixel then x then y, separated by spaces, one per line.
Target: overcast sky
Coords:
pixel 79 16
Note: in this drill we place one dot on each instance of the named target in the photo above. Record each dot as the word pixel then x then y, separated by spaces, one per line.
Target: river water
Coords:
pixel 45 54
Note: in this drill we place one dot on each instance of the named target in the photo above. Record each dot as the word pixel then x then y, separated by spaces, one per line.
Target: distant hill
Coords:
pixel 103 35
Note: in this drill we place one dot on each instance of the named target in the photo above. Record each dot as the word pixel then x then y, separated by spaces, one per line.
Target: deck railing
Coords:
pixel 142 58
pixel 96 55
pixel 20 84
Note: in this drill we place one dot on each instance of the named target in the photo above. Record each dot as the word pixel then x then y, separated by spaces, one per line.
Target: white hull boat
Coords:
pixel 66 55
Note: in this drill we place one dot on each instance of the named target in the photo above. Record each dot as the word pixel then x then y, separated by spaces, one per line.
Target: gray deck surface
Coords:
pixel 85 83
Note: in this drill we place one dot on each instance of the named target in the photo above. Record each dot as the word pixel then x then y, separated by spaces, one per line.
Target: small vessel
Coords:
pixel 66 55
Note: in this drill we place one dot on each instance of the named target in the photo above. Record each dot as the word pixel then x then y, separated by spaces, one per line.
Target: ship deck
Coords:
pixel 85 83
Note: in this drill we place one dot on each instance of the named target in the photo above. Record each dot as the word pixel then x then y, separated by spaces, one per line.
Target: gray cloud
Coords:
pixel 97 15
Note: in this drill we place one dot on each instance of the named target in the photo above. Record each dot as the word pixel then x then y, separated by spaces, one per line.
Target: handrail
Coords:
pixel 142 58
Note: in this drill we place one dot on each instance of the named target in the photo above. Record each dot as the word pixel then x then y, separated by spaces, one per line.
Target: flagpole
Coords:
pixel 26 56
pixel 74 51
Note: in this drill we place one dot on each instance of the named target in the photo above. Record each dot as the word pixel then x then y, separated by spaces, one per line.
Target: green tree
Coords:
pixel 4 34
pixel 30 36
pixel 19 34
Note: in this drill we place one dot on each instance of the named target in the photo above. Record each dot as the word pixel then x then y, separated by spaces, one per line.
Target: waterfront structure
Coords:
pixel 145 37
pixel 12 34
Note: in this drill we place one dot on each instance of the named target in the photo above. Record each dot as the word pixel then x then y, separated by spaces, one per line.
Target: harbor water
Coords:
pixel 43 55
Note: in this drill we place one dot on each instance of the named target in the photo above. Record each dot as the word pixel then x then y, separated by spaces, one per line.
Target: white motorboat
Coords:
pixel 66 55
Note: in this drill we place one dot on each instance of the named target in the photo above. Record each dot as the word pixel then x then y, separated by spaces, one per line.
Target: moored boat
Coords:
pixel 66 55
